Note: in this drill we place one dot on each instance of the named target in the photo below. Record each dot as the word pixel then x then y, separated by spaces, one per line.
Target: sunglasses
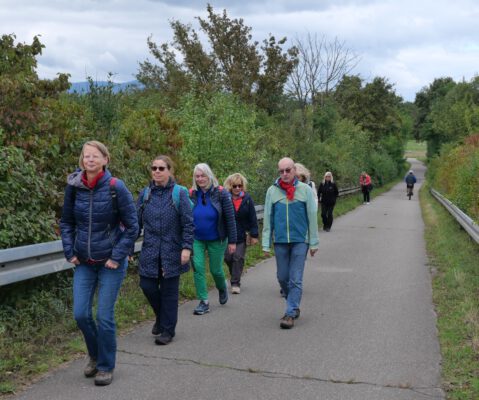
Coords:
pixel 203 199
pixel 155 168
pixel 237 186
pixel 286 170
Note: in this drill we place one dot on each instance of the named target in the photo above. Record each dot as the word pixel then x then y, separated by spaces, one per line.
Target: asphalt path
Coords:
pixel 367 329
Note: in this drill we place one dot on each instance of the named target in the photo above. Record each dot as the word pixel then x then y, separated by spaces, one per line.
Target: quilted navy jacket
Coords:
pixel 221 201
pixel 167 231
pixel 246 220
pixel 89 227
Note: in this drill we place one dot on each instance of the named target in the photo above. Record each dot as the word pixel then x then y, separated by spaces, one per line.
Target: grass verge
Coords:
pixel 416 150
pixel 37 330
pixel 453 256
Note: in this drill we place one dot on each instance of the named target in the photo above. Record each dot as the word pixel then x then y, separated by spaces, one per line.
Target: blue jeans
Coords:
pixel 290 259
pixel 100 335
pixel 163 294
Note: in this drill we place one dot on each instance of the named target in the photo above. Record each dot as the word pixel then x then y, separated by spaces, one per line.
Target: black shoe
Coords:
pixel 223 295
pixel 297 313
pixel 327 229
pixel 156 329
pixel 163 339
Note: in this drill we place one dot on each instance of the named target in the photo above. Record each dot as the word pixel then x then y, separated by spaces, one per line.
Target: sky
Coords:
pixel 410 42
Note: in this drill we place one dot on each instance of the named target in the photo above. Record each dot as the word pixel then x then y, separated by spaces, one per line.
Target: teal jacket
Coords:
pixel 288 221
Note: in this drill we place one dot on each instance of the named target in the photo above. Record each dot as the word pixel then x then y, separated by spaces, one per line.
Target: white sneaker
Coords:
pixel 367 202
pixel 235 290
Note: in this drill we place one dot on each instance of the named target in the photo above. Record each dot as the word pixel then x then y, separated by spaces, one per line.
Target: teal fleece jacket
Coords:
pixel 288 221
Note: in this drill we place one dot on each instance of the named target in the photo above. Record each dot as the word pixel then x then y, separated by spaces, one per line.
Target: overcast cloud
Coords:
pixel 410 42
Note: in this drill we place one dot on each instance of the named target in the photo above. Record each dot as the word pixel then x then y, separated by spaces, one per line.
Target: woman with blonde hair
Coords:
pixel 303 174
pixel 327 195
pixel 99 226
pixel 215 231
pixel 246 227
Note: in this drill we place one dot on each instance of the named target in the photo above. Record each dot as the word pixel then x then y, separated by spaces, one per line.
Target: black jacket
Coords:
pixel 246 220
pixel 327 193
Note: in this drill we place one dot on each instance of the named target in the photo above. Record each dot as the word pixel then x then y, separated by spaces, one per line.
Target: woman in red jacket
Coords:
pixel 365 183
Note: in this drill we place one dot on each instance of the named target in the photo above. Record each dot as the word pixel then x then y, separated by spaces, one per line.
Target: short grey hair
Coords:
pixel 205 168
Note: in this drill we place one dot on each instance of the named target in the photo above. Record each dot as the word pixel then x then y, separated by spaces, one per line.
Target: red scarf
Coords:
pixel 289 188
pixel 92 184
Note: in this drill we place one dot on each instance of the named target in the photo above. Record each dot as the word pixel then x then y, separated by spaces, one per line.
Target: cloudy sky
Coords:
pixel 410 42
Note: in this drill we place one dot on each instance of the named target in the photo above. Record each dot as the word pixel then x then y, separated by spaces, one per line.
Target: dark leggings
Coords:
pixel 365 194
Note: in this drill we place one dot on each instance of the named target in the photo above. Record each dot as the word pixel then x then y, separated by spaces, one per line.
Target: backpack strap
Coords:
pixel 114 195
pixel 175 195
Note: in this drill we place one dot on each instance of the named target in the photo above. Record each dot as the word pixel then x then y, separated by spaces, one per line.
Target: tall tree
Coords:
pixel 236 64
pixel 23 96
pixel 321 65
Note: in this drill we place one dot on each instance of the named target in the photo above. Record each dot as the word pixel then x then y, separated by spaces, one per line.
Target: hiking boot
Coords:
pixel 103 378
pixel 287 322
pixel 297 313
pixel 163 339
pixel 223 295
pixel 202 308
pixel 90 369
pixel 235 290
pixel 156 329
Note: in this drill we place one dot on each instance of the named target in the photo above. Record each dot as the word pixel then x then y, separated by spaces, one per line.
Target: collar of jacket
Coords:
pixel 168 185
pixel 75 179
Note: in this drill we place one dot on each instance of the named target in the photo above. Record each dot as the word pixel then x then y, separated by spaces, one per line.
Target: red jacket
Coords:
pixel 364 180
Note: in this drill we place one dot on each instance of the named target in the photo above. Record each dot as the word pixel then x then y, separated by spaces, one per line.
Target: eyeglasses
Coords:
pixel 286 170
pixel 203 199
pixel 154 168
pixel 237 186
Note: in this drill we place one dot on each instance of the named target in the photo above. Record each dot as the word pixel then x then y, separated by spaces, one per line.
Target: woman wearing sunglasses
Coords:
pixel 246 227
pixel 215 231
pixel 165 214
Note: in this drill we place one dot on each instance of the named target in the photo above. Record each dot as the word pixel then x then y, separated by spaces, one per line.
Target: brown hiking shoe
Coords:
pixel 90 369
pixel 287 322
pixel 103 378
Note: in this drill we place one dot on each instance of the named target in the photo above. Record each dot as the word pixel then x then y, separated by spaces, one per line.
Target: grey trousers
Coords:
pixel 235 263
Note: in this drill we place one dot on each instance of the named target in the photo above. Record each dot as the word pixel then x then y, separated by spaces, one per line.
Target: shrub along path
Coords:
pixel 367 327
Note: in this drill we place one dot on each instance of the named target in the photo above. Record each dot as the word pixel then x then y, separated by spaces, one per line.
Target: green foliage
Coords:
pixel 26 213
pixel 220 131
pixel 235 64
pixel 455 174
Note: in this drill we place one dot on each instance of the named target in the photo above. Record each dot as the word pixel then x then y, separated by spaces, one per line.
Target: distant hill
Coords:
pixel 84 87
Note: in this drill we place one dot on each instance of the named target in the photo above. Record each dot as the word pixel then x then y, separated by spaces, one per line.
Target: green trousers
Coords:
pixel 216 250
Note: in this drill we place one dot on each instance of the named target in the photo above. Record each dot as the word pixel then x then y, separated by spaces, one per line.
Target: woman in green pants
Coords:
pixel 215 230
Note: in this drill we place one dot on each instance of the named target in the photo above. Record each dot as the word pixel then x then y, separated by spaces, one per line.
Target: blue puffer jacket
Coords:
pixel 89 227
pixel 221 201
pixel 246 220
pixel 167 231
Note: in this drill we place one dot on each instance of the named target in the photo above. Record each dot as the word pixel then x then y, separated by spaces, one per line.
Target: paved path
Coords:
pixel 367 328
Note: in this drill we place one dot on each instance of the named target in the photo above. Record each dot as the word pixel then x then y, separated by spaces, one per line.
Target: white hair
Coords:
pixel 328 174
pixel 205 168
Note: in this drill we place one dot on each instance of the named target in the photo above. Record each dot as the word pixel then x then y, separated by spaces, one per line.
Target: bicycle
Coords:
pixel 410 191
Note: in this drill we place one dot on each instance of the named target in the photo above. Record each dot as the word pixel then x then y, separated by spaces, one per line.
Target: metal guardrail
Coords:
pixel 350 190
pixel 27 262
pixel 464 220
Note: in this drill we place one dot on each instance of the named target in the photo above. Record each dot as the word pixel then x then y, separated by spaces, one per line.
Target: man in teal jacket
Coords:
pixel 290 221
